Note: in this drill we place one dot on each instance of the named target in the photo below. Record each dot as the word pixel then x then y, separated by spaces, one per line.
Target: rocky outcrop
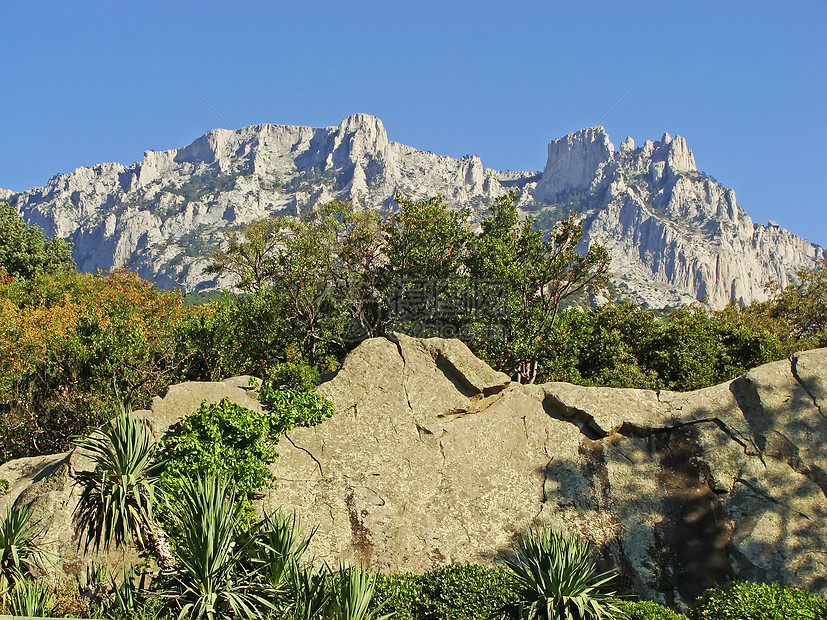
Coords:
pixel 165 215
pixel 433 458
pixel 675 235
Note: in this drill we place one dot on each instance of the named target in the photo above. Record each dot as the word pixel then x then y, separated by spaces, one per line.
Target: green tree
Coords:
pixel 802 307
pixel 543 271
pixel 26 252
pixel 426 239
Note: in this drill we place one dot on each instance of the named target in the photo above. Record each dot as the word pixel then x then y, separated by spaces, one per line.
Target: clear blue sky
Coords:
pixel 744 82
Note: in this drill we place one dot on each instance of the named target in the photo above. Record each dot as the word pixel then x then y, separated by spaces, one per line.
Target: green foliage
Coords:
pixel 467 592
pixel 25 252
pixel 801 309
pixel 72 348
pixel 223 440
pixel 292 375
pixel 208 580
pixel 758 601
pixel 557 578
pixel 353 590
pixel 628 346
pixel 30 598
pixel 401 595
pixel 289 409
pixel 426 239
pixel 646 610
pixel 455 591
pixel 117 498
pixel 542 271
pixel 20 554
pixel 275 547
pixel 4 487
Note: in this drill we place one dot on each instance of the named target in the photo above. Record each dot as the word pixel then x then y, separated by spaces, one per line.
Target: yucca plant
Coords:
pixel 312 593
pixel 30 598
pixel 210 580
pixel 352 593
pixel 20 555
pixel 273 549
pixel 117 497
pixel 558 579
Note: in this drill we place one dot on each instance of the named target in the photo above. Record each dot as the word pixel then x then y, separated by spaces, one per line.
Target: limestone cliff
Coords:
pixel 674 234
pixel 433 458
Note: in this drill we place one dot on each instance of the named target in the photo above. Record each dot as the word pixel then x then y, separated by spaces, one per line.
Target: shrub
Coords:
pixel 225 440
pixel 74 346
pixel 401 595
pixel 117 497
pixel 30 598
pixel 456 591
pixel 290 408
pixel 758 601
pixel 466 592
pixel 20 555
pixel 647 610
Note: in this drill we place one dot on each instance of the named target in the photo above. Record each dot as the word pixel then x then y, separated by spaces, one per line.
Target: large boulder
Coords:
pixel 433 458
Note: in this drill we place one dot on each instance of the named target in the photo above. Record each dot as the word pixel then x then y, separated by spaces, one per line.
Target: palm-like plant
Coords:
pixel 352 592
pixel 311 592
pixel 20 555
pixel 30 599
pixel 558 578
pixel 117 497
pixel 209 581
pixel 274 548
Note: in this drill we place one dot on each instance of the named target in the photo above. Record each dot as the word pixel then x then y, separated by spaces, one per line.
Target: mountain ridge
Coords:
pixel 675 235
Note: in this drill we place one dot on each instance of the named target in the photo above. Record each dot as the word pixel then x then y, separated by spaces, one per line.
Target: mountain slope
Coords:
pixel 674 234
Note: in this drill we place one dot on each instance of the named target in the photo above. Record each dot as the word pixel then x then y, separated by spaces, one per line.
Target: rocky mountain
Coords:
pixel 433 458
pixel 674 234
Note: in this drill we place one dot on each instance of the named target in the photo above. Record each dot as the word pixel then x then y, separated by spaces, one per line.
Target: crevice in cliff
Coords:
pixel 462 382
pixel 559 410
pixel 479 403
pixel 800 381
pixel 766 496
pixel 308 453
pixel 629 429
pixel 404 376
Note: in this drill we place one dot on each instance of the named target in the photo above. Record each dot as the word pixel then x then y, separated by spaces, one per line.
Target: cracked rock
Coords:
pixel 447 461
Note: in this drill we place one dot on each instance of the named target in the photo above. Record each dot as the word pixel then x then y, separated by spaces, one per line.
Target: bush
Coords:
pixel 290 408
pixel 224 440
pixel 647 610
pixel 399 594
pixel 758 601
pixel 72 348
pixel 456 591
pixel 467 591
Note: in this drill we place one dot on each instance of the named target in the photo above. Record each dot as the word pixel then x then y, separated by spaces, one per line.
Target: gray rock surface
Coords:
pixel 675 235
pixel 433 458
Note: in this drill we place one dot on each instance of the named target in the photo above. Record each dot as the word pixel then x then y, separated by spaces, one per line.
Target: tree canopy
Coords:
pixel 25 251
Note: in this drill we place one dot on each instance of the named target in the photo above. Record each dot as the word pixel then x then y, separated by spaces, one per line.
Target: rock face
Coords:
pixel 674 234
pixel 435 458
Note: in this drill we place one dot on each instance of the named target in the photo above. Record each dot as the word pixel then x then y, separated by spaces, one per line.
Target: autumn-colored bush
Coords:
pixel 73 347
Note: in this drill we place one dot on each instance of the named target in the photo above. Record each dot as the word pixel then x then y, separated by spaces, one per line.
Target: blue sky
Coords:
pixel 744 82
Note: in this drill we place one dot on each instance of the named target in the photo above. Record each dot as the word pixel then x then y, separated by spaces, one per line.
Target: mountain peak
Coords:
pixel 674 235
pixel 573 161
